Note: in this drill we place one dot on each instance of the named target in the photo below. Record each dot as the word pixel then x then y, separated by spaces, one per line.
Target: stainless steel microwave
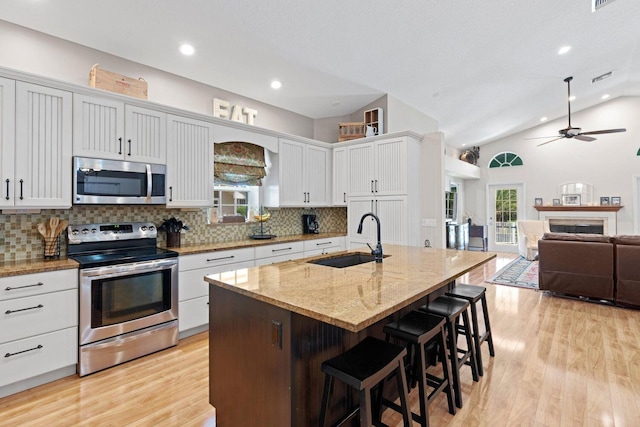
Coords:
pixel 100 181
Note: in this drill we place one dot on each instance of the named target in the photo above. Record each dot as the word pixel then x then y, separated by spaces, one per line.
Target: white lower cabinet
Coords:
pixel 38 327
pixel 193 290
pixel 323 246
pixel 279 252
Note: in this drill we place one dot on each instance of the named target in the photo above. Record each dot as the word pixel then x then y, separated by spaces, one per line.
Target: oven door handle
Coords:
pixel 126 269
pixel 149 182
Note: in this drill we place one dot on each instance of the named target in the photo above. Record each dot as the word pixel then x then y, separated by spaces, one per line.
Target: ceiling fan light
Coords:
pixel 563 50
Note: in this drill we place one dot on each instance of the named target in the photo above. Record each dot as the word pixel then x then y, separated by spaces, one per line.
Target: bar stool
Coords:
pixel 419 329
pixel 362 367
pixel 452 309
pixel 473 294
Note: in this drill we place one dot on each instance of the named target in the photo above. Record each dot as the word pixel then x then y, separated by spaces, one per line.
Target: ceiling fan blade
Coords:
pixel 544 143
pixel 543 137
pixel 581 137
pixel 597 132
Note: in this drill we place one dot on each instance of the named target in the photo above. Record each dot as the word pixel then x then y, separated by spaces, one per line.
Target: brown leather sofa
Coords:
pixel 627 270
pixel 577 264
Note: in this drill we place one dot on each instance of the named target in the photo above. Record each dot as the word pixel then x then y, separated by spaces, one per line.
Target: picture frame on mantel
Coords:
pixel 538 201
pixel 604 201
pixel 556 202
pixel 615 201
pixel 570 200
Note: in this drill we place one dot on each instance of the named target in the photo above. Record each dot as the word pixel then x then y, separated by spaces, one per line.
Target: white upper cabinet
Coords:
pixel 109 129
pixel 189 162
pixel 304 174
pixel 392 212
pixel 42 148
pixel 378 168
pixel 340 181
pixel 7 139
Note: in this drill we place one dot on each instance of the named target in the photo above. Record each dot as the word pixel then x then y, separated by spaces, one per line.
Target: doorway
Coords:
pixel 505 205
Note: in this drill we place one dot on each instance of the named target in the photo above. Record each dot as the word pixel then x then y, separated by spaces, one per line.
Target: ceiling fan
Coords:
pixel 571 132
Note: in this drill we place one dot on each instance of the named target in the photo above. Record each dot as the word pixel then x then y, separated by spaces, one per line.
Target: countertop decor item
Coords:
pixel 262 232
pixel 173 227
pixel 50 231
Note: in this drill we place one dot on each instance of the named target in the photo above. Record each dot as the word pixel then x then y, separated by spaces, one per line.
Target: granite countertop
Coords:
pixel 250 243
pixel 16 268
pixel 356 297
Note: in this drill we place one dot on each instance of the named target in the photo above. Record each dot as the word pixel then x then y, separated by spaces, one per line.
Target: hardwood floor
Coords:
pixel 559 362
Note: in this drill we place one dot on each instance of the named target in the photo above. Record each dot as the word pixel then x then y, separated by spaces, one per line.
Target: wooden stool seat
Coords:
pixel 362 367
pixel 452 309
pixel 418 330
pixel 473 294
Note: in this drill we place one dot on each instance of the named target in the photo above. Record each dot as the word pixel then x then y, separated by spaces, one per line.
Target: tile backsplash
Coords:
pixel 20 239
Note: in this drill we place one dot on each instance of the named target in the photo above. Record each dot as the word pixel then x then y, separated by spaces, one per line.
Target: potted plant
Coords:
pixel 173 226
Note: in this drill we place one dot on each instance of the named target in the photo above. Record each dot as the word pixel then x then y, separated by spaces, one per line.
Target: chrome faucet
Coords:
pixel 377 252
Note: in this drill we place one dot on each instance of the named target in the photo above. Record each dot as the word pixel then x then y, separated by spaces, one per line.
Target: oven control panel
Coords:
pixel 83 233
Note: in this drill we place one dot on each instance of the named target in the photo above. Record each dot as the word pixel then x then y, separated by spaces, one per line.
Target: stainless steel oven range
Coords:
pixel 128 293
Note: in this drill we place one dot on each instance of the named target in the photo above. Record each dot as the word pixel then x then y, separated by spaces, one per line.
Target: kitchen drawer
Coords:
pixel 212 259
pixel 38 283
pixel 38 355
pixel 279 250
pixel 279 258
pixel 191 283
pixel 333 242
pixel 193 313
pixel 29 316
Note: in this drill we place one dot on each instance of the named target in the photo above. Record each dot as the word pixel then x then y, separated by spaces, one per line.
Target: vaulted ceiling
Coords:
pixel 484 70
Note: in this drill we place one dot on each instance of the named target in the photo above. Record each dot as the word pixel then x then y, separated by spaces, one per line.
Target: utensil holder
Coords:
pixel 173 239
pixel 52 247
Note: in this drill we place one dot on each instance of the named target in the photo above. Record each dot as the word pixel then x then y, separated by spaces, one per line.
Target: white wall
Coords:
pixel 609 163
pixel 401 116
pixel 30 51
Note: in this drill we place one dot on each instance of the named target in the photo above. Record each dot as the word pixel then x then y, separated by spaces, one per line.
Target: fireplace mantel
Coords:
pixel 578 208
pixel 606 215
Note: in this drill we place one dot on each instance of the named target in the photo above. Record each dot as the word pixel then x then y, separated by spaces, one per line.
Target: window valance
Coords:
pixel 238 163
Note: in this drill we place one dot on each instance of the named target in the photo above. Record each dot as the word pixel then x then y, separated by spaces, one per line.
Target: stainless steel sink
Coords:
pixel 342 261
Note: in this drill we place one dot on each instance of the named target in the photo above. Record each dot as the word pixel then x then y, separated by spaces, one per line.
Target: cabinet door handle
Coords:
pixel 24 309
pixel 129 141
pixel 372 186
pixel 344 197
pixel 308 197
pixel 283 249
pixel 171 194
pixel 376 186
pixel 120 149
pixel 38 347
pixel 221 258
pixel 9 288
pixel 7 181
pixel 21 189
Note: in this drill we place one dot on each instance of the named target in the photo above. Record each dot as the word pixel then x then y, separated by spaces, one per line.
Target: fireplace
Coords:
pixel 576 225
pixel 581 219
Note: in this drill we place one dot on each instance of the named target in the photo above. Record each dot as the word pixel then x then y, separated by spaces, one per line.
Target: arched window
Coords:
pixel 505 159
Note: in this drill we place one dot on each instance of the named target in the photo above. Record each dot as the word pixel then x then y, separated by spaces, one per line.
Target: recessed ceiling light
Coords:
pixel 276 84
pixel 572 98
pixel 335 103
pixel 563 50
pixel 464 145
pixel 543 119
pixel 605 96
pixel 187 49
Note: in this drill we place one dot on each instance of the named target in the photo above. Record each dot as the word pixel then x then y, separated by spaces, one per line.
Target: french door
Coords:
pixel 505 205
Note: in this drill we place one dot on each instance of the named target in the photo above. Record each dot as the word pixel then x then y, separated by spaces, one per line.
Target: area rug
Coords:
pixel 519 272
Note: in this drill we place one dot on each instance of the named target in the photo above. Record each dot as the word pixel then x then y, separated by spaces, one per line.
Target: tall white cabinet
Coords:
pixel 304 174
pixel 35 146
pixel 110 129
pixel 189 162
pixel 381 177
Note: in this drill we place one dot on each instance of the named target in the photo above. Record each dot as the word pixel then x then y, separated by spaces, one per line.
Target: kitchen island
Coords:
pixel 271 327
